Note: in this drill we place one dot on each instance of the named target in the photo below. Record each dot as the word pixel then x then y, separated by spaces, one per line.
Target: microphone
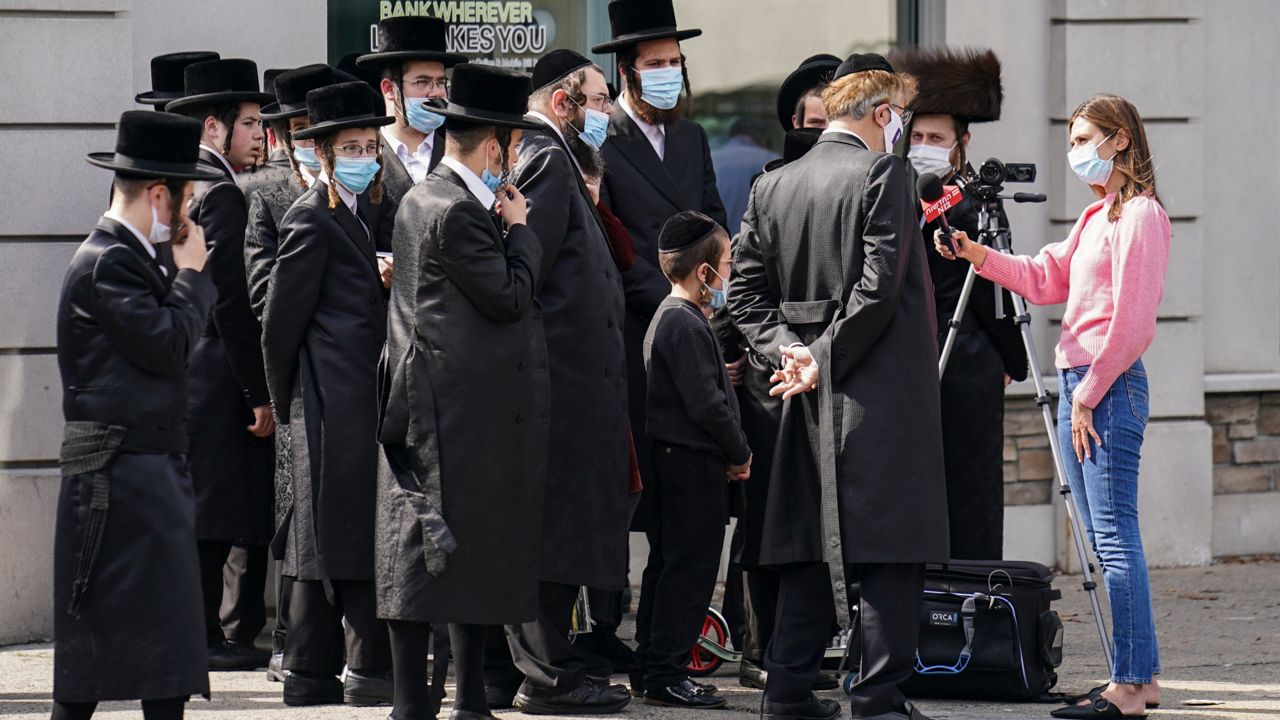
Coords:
pixel 936 201
pixel 1029 197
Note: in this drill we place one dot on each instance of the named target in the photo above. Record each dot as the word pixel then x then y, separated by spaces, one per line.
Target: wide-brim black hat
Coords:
pixel 635 21
pixel 412 38
pixel 292 88
pixel 961 82
pixel 338 107
pixel 156 145
pixel 797 142
pixel 482 95
pixel 218 82
pixel 166 76
pixel 811 73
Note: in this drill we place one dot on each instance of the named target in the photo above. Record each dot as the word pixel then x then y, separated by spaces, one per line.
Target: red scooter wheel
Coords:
pixel 703 662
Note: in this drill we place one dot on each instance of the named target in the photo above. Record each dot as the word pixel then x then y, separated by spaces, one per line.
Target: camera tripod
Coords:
pixel 996 237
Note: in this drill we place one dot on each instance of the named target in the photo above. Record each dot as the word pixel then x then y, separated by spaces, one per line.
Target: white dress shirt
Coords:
pixel 472 181
pixel 656 134
pixel 348 198
pixel 834 128
pixel 146 242
pixel 417 162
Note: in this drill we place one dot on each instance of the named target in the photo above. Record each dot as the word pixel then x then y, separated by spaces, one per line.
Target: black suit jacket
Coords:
pixel 126 332
pixel 830 255
pixel 643 191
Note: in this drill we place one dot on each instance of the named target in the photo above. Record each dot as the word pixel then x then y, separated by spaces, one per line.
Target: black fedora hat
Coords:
pixel 635 21
pixel 486 95
pixel 269 80
pixel 166 76
pixel 292 88
pixel 219 81
pixel 811 72
pixel 156 145
pixel 411 38
pixel 337 107
pixel 797 142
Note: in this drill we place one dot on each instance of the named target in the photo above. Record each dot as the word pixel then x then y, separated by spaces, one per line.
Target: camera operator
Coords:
pixel 953 89
pixel 1110 272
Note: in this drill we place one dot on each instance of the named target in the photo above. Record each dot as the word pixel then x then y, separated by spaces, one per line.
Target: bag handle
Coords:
pixel 968 611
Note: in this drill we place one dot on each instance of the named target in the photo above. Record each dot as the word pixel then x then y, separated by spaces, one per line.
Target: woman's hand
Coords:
pixel 1082 430
pixel 968 250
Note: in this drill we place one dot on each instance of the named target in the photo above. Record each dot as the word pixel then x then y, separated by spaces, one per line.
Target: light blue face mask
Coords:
pixel 420 118
pixel 491 181
pixel 1090 168
pixel 717 298
pixel 595 126
pixel 661 87
pixel 355 174
pixel 306 157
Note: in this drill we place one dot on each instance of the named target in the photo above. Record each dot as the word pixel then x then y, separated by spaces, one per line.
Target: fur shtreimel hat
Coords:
pixel 963 82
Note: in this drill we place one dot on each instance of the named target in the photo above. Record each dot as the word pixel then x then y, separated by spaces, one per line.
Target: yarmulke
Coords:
pixel 685 229
pixel 555 65
pixel 862 62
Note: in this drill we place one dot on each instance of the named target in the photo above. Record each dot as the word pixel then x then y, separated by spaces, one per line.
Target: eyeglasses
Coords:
pixel 423 86
pixel 904 113
pixel 356 150
pixel 599 101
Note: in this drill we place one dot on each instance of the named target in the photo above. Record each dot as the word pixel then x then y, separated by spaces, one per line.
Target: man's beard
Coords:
pixel 653 115
pixel 589 159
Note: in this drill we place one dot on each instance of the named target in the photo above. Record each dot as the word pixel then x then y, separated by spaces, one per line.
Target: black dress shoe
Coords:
pixel 825 681
pixel 275 668
pixel 307 689
pixel 685 695
pixel 229 655
pixel 751 675
pixel 590 698
pixel 498 697
pixel 811 709
pixel 372 687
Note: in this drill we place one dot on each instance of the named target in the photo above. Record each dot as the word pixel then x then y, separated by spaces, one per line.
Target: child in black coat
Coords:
pixel 698 445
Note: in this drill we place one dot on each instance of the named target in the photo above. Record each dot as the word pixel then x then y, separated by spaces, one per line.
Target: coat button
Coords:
pixel 519 419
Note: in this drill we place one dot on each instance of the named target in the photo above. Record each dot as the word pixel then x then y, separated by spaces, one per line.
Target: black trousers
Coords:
pixel 542 650
pixel 890 603
pixel 213 556
pixel 686 537
pixel 762 607
pixel 499 668
pixel 606 610
pixel 244 583
pixel 317 642
pixel 284 592
pixel 802 621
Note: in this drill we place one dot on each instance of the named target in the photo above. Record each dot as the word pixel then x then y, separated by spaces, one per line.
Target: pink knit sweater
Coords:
pixel 1111 275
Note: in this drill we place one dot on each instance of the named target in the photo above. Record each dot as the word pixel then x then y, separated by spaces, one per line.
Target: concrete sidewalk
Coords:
pixel 1219 632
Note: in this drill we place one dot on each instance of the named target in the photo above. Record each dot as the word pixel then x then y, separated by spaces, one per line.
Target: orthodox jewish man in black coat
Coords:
pixel 463 394
pixel 126 587
pixel 953 90
pixel 230 422
pixel 324 326
pixel 588 504
pixel 831 285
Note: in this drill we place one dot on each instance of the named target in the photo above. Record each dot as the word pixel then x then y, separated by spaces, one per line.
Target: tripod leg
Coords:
pixel 953 325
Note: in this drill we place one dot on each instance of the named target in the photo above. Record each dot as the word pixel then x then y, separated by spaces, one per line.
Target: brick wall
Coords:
pixel 1246 441
pixel 1028 464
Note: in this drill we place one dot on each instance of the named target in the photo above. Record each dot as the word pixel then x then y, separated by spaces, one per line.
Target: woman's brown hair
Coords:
pixel 324 151
pixel 1112 114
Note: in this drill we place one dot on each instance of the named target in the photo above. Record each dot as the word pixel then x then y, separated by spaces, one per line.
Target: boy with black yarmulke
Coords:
pixel 698 444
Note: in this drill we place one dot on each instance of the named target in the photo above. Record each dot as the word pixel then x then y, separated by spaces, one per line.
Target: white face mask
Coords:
pixel 931 159
pixel 892 131
pixel 160 230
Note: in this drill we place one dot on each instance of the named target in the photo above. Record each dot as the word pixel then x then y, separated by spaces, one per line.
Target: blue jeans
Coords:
pixel 1106 494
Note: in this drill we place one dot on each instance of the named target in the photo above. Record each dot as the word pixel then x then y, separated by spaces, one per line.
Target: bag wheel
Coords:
pixel 703 662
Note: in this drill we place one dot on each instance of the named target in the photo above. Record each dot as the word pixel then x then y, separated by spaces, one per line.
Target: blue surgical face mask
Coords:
pixel 306 157
pixel 718 298
pixel 1090 168
pixel 661 87
pixel 355 174
pixel 420 118
pixel 491 181
pixel 595 126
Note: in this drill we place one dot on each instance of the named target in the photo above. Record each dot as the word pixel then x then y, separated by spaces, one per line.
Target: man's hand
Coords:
pixel 384 269
pixel 737 370
pixel 189 251
pixel 798 374
pixel 740 472
pixel 512 207
pixel 263 422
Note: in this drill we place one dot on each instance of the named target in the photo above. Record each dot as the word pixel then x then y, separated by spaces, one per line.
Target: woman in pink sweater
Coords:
pixel 1110 272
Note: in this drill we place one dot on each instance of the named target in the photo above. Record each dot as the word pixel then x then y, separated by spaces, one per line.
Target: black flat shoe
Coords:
pixel 1097 693
pixel 302 689
pixel 229 655
pixel 368 688
pixel 687 694
pixel 589 698
pixel 825 681
pixel 811 709
pixel 1099 708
